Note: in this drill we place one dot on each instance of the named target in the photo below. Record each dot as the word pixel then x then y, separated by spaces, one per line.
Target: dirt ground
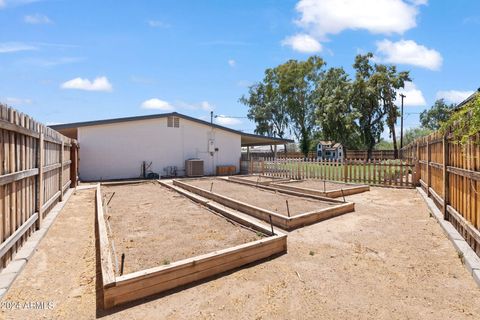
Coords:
pixel 149 218
pixel 388 260
pixel 262 198
pixel 258 178
pixel 320 185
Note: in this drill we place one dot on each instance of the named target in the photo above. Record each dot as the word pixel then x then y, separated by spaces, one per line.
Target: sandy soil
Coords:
pixel 388 260
pixel 62 271
pixel 262 198
pixel 258 178
pixel 320 185
pixel 154 225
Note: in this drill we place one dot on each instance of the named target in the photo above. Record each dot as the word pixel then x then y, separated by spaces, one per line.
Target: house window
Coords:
pixel 340 153
pixel 173 122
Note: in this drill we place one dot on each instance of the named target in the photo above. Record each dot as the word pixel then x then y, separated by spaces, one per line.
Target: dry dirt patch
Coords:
pixel 388 260
pixel 320 185
pixel 154 225
pixel 265 199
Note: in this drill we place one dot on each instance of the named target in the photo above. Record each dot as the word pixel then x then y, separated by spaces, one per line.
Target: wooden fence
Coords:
pixel 396 173
pixel 35 171
pixel 449 174
pixel 349 154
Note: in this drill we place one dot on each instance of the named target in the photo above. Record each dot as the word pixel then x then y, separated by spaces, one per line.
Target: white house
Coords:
pixel 121 148
pixel 329 150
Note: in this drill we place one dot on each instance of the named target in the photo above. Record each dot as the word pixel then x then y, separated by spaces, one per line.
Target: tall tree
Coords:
pixel 374 94
pixel 387 81
pixel 439 113
pixel 298 82
pixel 365 100
pixel 334 113
pixel 266 107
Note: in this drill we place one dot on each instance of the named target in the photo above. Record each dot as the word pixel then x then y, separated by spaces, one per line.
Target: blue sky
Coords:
pixel 66 61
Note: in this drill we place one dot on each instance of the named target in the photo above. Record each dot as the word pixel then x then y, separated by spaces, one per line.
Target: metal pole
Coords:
pixel 288 209
pixel 401 123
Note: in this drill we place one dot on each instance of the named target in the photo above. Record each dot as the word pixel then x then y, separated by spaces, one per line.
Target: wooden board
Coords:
pixel 137 285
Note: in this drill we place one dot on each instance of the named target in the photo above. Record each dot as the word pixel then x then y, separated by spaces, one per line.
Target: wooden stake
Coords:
pixel 288 209
pixel 123 264
pixel 271 224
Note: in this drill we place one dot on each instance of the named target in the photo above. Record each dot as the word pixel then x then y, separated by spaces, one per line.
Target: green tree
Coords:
pixel 437 114
pixel 412 134
pixel 298 82
pixel 334 113
pixel 374 94
pixel 365 100
pixel 266 107
pixel 384 145
pixel 387 81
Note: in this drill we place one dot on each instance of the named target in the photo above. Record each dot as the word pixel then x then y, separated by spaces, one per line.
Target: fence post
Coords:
pixel 446 189
pixel 60 176
pixel 428 166
pixel 418 172
pixel 73 165
pixel 39 204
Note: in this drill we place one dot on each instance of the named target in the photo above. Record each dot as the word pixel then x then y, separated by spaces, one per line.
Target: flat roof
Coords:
pixel 247 139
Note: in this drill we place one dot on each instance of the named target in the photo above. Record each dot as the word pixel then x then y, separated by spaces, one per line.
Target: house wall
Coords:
pixel 117 151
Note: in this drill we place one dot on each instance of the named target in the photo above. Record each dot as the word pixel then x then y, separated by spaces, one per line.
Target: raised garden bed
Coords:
pixel 265 204
pixel 257 179
pixel 169 240
pixel 321 188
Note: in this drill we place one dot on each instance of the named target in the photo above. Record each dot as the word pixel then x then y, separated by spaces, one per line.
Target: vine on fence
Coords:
pixel 464 123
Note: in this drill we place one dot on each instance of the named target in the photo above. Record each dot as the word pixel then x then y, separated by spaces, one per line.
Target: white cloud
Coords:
pixel 158 24
pixel 98 84
pixel 303 43
pixel 413 96
pixel 206 106
pixel 324 17
pixel 454 96
pixel 9 47
pixel 226 121
pixel 409 52
pixel 157 104
pixel 37 18
pixel 232 63
pixel 51 62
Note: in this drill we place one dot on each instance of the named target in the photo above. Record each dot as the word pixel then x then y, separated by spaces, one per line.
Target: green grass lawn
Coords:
pixel 387 171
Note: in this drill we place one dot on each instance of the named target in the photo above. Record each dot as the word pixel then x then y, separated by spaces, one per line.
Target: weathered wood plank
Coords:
pixel 16 176
pixel 11 240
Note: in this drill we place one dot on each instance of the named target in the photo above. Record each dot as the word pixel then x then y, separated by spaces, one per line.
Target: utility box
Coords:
pixel 194 168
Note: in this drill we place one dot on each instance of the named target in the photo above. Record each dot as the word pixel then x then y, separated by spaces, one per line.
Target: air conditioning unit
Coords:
pixel 194 168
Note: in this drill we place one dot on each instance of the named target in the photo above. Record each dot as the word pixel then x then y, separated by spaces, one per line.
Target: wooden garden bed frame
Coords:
pixel 335 193
pixel 279 220
pixel 279 183
pixel 241 178
pixel 118 290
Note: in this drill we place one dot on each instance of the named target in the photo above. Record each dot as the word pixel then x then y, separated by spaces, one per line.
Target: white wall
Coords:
pixel 116 151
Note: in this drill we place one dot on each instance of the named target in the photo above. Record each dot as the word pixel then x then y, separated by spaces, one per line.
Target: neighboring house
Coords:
pixel 327 150
pixel 121 148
